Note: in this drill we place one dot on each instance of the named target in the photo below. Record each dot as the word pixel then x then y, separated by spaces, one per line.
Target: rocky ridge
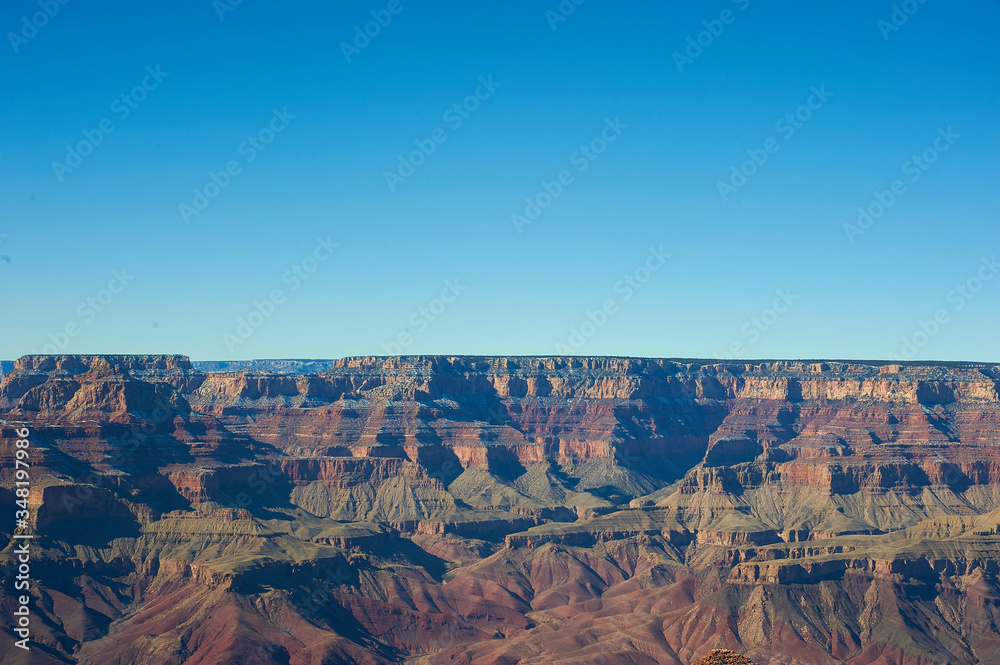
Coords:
pixel 495 509
pixel 723 657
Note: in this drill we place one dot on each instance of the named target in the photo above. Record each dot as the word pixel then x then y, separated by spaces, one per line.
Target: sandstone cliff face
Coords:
pixel 499 510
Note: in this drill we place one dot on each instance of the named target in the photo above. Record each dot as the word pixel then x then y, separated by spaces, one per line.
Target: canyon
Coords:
pixel 499 510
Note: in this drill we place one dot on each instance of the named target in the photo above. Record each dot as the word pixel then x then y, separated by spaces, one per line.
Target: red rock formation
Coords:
pixel 723 657
pixel 501 510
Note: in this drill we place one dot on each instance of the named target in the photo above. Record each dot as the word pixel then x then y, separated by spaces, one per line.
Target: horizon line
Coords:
pixel 709 361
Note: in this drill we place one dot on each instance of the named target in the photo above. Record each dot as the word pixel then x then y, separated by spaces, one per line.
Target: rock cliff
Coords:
pixel 508 509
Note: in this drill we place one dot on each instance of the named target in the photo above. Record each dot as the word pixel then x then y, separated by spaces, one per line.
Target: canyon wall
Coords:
pixel 509 509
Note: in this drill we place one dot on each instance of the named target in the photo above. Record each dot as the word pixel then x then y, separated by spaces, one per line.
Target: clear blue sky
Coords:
pixel 672 128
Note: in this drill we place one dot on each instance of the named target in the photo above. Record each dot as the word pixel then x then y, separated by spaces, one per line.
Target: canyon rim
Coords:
pixel 432 509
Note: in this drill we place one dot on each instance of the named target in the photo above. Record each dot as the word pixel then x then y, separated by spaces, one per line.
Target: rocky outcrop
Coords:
pixel 509 509
pixel 723 657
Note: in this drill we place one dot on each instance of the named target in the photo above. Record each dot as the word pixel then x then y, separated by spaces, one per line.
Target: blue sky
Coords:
pixel 620 101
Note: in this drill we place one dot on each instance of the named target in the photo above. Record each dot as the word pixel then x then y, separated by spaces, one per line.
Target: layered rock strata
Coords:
pixel 508 509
